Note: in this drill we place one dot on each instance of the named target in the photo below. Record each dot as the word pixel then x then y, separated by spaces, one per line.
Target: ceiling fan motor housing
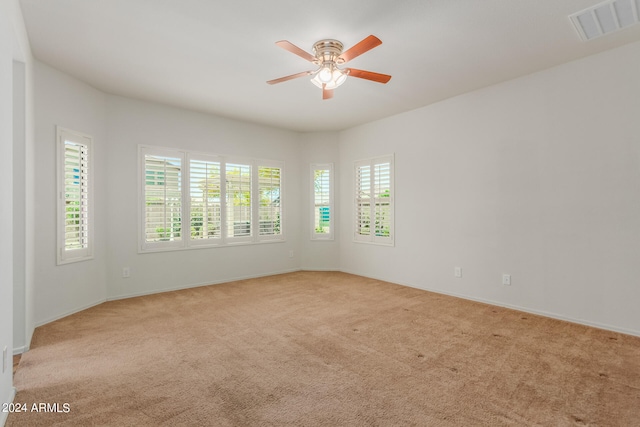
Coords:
pixel 328 50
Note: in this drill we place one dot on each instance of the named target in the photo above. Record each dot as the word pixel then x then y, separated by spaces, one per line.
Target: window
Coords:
pixel 374 200
pixel 162 198
pixel 322 201
pixel 75 198
pixel 223 200
pixel 270 213
pixel 238 201
pixel 205 200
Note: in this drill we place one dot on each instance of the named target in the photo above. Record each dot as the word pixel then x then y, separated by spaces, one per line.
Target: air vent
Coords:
pixel 605 18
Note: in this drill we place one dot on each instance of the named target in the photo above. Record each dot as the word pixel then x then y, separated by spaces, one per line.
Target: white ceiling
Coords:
pixel 215 56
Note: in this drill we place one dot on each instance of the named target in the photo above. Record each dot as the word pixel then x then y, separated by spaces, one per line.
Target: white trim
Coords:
pixel 199 285
pixel 543 313
pixel 20 350
pixel 69 313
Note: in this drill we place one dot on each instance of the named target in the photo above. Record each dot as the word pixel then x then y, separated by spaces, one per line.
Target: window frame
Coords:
pixel 143 151
pixel 226 238
pixel 322 167
pixel 270 164
pixel 210 159
pixel 63 255
pixel 374 202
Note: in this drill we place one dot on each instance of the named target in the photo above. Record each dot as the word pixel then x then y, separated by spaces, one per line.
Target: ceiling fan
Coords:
pixel 328 55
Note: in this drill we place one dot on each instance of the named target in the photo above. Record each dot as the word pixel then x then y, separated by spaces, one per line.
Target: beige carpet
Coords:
pixel 318 348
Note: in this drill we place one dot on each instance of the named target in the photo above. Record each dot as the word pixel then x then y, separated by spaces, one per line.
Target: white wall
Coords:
pixel 20 172
pixel 15 78
pixel 318 147
pixel 118 125
pixel 131 123
pixel 6 214
pixel 537 177
pixel 64 101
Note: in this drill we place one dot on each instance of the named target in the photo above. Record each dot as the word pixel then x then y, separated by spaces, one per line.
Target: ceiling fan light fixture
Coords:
pixel 339 76
pixel 329 76
pixel 327 55
pixel 325 75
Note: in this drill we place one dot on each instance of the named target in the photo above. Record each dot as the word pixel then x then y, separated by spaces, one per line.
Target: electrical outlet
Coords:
pixel 506 279
pixel 457 271
pixel 4 359
pixel 290 254
pixel 126 272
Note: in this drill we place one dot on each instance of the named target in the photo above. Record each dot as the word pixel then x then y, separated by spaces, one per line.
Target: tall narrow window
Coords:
pixel 382 198
pixel 374 205
pixel 322 201
pixel 205 200
pixel 75 211
pixel 363 199
pixel 270 209
pixel 162 198
pixel 238 201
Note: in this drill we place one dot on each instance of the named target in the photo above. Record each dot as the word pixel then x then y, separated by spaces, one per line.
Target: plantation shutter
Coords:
pixel 162 188
pixel 74 186
pixel 322 188
pixel 363 200
pixel 205 204
pixel 374 203
pixel 190 200
pixel 76 197
pixel 270 209
pixel 382 199
pixel 238 202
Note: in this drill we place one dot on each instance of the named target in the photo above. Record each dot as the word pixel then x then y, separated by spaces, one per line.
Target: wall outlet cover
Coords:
pixel 506 279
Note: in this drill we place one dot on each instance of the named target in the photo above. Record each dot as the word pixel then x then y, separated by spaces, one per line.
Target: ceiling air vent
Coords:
pixel 605 18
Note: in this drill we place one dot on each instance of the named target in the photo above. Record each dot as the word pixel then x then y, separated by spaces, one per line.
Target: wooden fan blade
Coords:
pixel 369 75
pixel 286 45
pixel 291 77
pixel 360 48
pixel 326 93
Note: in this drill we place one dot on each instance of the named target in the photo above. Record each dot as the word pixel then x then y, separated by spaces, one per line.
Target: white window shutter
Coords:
pixel 75 198
pixel 238 202
pixel 374 200
pixel 196 200
pixel 205 202
pixel 269 202
pixel 162 198
pixel 322 218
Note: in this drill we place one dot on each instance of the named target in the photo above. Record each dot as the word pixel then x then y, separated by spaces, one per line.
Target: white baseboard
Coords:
pixel 20 350
pixel 510 306
pixel 69 313
pixel 197 285
pixel 424 288
pixel 156 291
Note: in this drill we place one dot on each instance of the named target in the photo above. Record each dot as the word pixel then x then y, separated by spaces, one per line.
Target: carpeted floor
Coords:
pixel 321 348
